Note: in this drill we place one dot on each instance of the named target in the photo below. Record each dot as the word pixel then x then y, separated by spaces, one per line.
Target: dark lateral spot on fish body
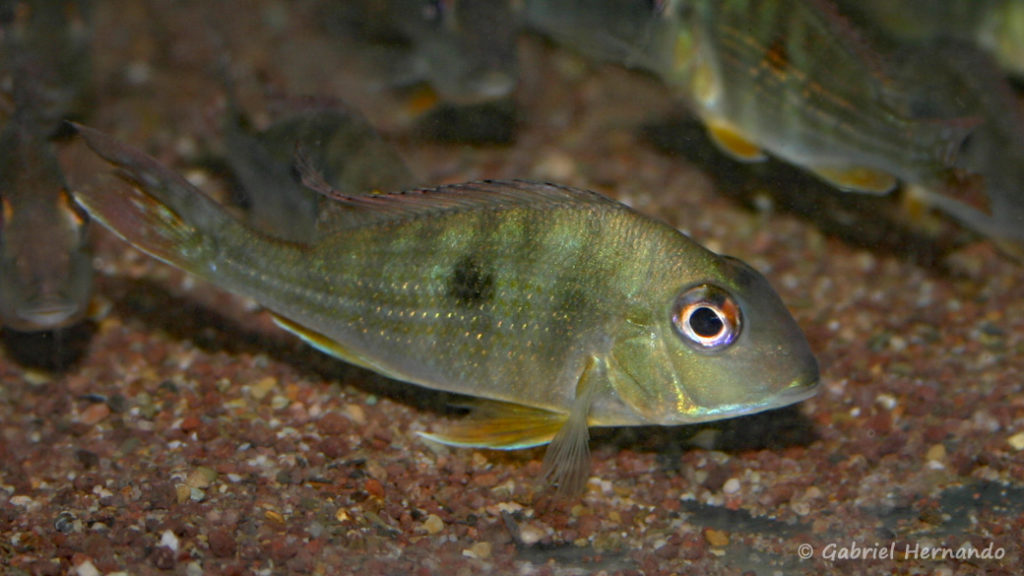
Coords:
pixel 470 283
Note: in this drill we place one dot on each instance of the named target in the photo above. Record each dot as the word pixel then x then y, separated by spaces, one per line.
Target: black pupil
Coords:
pixel 705 322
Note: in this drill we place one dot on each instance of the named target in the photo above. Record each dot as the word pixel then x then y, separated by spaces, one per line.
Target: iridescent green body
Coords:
pixel 562 307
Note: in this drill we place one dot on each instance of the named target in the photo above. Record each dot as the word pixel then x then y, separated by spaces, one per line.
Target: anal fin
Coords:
pixel 857 178
pixel 500 426
pixel 733 142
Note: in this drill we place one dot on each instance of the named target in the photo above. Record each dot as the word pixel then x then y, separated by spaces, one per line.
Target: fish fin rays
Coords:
pixel 733 142
pixel 567 460
pixel 500 426
pixel 351 209
pixel 327 345
pixel 508 426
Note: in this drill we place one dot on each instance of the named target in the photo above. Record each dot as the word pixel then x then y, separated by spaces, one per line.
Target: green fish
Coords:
pixel 796 79
pixel 559 308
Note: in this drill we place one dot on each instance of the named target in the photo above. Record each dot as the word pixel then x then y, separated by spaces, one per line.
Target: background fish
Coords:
pixel 466 50
pixel 634 33
pixel 795 79
pixel 959 78
pixel 338 141
pixel 561 308
pixel 996 26
pixel 45 260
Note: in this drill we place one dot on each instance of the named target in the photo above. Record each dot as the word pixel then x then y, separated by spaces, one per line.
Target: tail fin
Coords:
pixel 159 212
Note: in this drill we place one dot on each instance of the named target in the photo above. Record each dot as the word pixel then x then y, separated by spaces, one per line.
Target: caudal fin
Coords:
pixel 158 211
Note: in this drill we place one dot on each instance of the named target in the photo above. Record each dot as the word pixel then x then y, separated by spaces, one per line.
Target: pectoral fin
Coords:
pixel 567 461
pixel 500 426
pixel 733 142
pixel 857 178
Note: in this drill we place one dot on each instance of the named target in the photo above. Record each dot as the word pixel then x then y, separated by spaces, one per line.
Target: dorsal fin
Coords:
pixel 361 209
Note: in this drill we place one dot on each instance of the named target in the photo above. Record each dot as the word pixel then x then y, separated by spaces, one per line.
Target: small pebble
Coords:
pixel 260 389
pixel 1017 441
pixel 87 569
pixel 355 413
pixel 716 538
pixel 201 477
pixel 433 524
pixel 480 551
pixel 731 486
pixel 182 493
pixel 530 534
pixel 936 453
pixel 94 414
pixel 169 540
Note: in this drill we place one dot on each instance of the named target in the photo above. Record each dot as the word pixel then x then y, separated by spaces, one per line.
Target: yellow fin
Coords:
pixel 857 179
pixel 327 345
pixel 731 140
pixel 500 426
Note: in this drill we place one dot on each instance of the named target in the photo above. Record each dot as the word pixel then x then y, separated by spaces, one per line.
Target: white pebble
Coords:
pixel 170 540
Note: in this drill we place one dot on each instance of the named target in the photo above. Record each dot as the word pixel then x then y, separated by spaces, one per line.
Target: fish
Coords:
pixel 46 276
pixel 466 50
pixel 336 139
pixel 996 26
pixel 632 33
pixel 796 79
pixel 953 77
pixel 46 272
pixel 557 308
pixel 48 43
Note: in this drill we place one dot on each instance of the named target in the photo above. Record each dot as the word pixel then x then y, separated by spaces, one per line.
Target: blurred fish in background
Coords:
pixel 862 95
pixel 46 276
pixel 637 34
pixel 465 51
pixel 955 65
pixel 996 26
pixel 338 141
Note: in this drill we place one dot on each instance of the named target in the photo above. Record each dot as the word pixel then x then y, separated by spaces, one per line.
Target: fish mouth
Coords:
pixel 48 316
pixel 798 390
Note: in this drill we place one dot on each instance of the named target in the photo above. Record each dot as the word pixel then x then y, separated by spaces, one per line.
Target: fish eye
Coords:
pixel 707 317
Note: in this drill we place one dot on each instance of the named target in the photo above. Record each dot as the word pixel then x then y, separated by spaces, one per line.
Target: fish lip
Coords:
pixel 799 389
pixel 49 316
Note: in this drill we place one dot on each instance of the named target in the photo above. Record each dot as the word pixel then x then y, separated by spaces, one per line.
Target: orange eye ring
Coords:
pixel 707 318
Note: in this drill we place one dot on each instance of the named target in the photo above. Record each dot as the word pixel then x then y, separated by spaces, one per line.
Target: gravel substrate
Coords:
pixel 193 437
